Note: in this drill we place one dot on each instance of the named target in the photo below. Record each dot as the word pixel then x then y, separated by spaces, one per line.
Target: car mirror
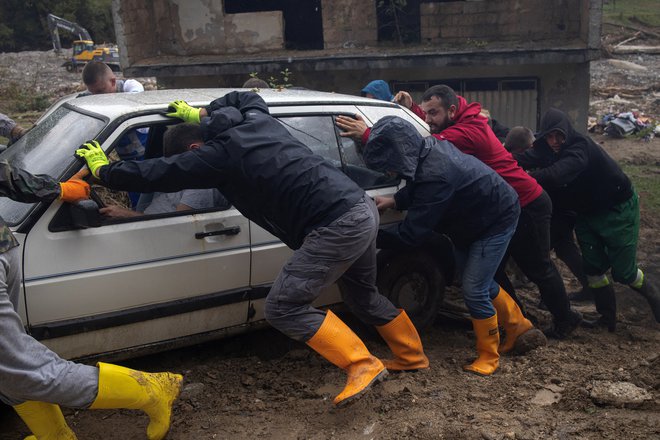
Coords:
pixel 85 214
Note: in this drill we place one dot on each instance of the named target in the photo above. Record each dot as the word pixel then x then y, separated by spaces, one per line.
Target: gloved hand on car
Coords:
pixel 75 188
pixel 94 156
pixel 180 109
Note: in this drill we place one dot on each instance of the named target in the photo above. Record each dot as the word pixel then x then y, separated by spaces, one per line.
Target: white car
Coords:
pixel 94 286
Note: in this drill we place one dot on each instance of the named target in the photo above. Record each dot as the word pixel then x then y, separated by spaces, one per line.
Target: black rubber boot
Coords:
pixel 584 295
pixel 605 301
pixel 650 291
pixel 562 329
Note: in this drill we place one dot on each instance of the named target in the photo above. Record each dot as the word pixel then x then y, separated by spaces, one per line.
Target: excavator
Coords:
pixel 84 49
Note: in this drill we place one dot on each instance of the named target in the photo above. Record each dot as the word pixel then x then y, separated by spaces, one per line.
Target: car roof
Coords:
pixel 117 104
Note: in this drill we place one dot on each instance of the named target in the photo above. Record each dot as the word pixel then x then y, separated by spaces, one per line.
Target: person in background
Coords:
pixel 593 185
pixel 10 129
pixel 378 89
pixel 100 79
pixel 562 225
pixel 35 380
pixel 255 83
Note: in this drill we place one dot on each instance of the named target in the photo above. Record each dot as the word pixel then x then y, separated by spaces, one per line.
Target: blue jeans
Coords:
pixel 478 263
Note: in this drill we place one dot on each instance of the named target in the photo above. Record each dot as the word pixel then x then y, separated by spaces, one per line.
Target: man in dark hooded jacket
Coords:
pixel 305 201
pixel 583 178
pixel 454 193
pixel 378 89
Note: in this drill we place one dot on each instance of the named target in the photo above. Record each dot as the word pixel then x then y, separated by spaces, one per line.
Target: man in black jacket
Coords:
pixel 298 196
pixel 586 180
pixel 457 194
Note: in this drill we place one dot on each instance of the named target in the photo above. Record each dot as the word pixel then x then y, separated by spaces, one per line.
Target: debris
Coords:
pixel 618 394
pixel 546 397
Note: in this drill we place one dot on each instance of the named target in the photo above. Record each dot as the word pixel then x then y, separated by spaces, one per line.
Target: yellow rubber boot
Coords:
pixel 153 393
pixel 45 421
pixel 488 338
pixel 511 318
pixel 339 345
pixel 402 338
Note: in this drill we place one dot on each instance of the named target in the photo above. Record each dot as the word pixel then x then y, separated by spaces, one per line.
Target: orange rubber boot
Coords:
pixel 488 338
pixel 511 318
pixel 339 345
pixel 402 338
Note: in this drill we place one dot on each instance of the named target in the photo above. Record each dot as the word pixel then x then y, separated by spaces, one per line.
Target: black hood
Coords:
pixel 555 120
pixel 394 145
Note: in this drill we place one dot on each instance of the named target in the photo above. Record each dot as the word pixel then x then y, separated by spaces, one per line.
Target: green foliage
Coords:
pixel 631 11
pixel 24 26
pixel 284 82
pixel 23 98
pixel 645 179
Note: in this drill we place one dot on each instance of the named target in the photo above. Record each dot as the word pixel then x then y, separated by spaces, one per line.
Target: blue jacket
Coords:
pixel 265 172
pixel 379 89
pixel 446 191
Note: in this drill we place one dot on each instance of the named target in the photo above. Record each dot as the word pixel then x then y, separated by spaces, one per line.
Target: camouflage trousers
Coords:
pixel 28 369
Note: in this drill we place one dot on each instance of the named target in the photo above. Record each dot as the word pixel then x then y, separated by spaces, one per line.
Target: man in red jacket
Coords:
pixel 451 118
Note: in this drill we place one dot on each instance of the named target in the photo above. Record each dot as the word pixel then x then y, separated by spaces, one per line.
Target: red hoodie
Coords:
pixel 471 134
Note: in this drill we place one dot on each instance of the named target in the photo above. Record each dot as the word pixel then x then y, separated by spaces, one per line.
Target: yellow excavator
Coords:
pixel 84 49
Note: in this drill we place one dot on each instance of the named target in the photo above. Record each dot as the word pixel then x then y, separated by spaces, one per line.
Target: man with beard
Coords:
pixel 305 201
pixel 592 184
pixel 451 118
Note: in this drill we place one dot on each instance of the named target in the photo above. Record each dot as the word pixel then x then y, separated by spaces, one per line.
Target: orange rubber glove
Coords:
pixel 75 188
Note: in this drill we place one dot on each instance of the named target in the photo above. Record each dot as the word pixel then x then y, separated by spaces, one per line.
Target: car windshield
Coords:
pixel 47 149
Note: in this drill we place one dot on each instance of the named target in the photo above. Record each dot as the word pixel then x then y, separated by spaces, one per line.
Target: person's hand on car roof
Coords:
pixel 182 110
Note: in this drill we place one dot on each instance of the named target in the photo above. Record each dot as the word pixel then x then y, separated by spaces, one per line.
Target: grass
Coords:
pixel 646 178
pixel 621 11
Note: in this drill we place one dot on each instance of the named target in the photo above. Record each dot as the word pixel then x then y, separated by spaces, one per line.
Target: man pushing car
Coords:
pixel 330 222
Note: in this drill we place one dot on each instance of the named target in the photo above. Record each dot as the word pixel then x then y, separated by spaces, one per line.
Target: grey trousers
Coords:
pixel 28 369
pixel 343 251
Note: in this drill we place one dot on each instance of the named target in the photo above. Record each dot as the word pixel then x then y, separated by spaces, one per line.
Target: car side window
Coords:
pixel 317 133
pixel 356 169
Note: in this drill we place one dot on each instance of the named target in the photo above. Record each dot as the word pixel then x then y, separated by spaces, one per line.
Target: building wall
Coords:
pixel 501 20
pixel 349 23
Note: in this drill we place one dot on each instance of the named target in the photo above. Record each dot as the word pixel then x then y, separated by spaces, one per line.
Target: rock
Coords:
pixel 191 390
pixel 247 380
pixel 546 397
pixel 530 340
pixel 554 388
pixel 618 394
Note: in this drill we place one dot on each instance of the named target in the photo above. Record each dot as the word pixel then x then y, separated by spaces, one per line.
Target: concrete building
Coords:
pixel 517 57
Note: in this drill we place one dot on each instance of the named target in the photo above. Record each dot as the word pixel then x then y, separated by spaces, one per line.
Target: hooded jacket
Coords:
pixel 379 89
pixel 446 191
pixel 266 173
pixel 581 177
pixel 471 134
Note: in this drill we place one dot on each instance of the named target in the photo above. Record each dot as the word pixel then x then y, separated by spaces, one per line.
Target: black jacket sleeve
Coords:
pixel 571 163
pixel 427 207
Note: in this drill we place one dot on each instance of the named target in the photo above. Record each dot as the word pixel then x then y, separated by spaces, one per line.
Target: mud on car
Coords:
pixel 115 287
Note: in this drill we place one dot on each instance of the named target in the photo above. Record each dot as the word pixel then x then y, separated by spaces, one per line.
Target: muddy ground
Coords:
pixel 596 385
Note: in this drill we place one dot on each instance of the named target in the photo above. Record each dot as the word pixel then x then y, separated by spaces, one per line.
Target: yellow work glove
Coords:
pixel 181 110
pixel 75 188
pixel 93 155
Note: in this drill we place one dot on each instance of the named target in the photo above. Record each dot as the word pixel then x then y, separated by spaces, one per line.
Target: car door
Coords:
pixel 126 284
pixel 314 126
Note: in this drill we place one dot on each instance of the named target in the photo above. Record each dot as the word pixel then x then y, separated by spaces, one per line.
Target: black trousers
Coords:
pixel 563 243
pixel 530 249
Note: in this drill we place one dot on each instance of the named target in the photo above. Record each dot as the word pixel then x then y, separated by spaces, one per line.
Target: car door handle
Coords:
pixel 232 230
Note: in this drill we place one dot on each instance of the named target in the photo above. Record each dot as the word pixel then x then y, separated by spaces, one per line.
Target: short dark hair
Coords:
pixel 178 138
pixel 255 83
pixel 94 71
pixel 519 139
pixel 444 93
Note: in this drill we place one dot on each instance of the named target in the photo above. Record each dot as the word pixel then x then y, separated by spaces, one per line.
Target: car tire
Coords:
pixel 414 282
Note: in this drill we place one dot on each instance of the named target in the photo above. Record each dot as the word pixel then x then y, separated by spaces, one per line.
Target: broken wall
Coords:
pixel 348 23
pixel 147 29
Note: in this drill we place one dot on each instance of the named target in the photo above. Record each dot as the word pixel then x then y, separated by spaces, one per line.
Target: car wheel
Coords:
pixel 414 282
